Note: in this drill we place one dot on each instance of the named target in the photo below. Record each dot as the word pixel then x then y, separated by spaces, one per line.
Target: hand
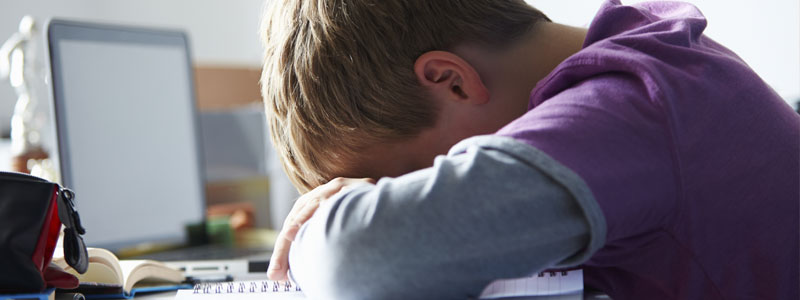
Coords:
pixel 303 209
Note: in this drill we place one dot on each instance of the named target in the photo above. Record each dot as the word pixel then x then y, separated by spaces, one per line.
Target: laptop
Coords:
pixel 129 142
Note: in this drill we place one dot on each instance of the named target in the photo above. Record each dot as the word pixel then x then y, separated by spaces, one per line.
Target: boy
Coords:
pixel 638 149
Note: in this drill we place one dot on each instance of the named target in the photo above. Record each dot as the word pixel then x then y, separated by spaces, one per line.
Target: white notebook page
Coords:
pixel 244 290
pixel 542 284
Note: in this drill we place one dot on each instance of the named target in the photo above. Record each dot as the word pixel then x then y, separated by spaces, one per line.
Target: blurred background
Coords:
pixel 226 51
pixel 242 174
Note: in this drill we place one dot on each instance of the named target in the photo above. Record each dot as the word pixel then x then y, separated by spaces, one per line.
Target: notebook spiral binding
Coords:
pixel 246 287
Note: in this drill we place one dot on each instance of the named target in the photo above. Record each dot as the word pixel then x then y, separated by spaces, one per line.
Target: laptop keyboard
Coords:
pixel 210 252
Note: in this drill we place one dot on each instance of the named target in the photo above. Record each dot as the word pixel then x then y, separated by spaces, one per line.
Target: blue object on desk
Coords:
pixel 41 296
pixel 138 290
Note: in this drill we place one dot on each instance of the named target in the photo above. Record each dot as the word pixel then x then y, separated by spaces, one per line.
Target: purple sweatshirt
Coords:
pixel 693 159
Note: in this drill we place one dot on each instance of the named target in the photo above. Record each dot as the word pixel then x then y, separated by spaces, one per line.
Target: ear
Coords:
pixel 450 77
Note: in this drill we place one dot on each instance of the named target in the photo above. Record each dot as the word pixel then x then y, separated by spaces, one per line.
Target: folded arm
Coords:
pixel 493 208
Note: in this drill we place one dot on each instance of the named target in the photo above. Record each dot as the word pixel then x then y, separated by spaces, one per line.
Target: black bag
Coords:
pixel 32 211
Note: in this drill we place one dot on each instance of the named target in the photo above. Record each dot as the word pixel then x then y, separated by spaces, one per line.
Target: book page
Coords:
pixel 103 267
pixel 136 271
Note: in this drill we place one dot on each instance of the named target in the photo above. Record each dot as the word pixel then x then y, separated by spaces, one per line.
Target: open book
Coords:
pixel 109 277
pixel 561 285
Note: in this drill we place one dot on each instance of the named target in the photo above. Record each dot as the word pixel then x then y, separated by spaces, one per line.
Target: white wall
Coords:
pixel 765 33
pixel 220 31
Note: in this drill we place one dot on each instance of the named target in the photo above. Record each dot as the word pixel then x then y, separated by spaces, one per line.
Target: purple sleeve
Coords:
pixel 608 131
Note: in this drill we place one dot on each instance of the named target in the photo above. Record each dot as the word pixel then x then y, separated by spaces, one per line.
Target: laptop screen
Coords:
pixel 127 134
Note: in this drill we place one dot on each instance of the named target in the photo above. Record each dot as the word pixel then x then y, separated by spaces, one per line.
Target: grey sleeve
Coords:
pixel 492 208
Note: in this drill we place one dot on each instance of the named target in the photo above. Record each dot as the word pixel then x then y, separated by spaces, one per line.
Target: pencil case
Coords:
pixel 32 211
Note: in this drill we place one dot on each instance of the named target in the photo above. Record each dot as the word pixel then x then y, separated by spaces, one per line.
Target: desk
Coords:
pixel 586 296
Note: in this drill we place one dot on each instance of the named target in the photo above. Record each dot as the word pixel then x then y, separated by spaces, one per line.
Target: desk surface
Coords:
pixel 586 296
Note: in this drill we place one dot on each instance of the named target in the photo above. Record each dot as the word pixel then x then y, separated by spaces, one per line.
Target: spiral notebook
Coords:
pixel 547 284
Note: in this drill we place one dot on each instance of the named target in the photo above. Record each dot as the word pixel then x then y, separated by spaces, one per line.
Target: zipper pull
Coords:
pixel 74 218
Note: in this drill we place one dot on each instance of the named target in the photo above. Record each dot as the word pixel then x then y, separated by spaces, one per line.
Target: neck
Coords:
pixel 511 73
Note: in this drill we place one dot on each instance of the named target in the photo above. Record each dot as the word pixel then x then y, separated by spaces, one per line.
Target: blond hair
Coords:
pixel 338 74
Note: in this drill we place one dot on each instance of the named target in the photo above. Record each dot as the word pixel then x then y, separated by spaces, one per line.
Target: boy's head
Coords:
pixel 344 81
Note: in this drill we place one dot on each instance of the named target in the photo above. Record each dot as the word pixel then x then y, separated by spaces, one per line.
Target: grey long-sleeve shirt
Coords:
pixel 492 208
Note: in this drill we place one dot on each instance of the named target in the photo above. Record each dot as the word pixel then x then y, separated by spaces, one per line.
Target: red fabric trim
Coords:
pixel 54 276
pixel 48 237
pixel 55 231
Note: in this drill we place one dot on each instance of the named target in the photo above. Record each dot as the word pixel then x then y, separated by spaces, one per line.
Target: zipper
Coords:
pixel 66 210
pixel 21 176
